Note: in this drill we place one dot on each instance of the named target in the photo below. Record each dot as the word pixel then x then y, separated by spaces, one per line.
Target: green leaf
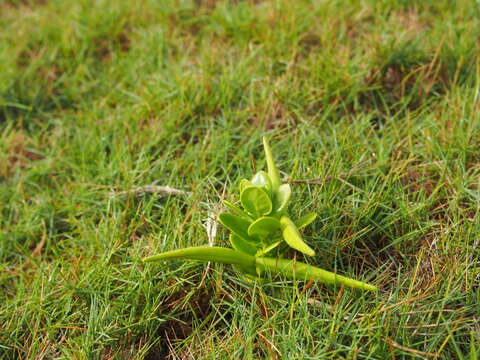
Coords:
pixel 242 245
pixel 290 268
pixel 306 220
pixel 298 270
pixel 269 248
pixel 249 272
pixel 235 224
pixel 206 253
pixel 282 196
pixel 272 169
pixel 236 210
pixel 256 201
pixel 261 179
pixel 244 183
pixel 293 238
pixel 263 226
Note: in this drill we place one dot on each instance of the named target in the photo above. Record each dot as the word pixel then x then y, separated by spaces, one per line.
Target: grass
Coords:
pixel 372 108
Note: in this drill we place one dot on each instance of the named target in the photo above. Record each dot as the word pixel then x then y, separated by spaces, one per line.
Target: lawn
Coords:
pixel 372 111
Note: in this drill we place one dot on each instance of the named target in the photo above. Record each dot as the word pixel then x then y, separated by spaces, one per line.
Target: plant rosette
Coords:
pixel 261 232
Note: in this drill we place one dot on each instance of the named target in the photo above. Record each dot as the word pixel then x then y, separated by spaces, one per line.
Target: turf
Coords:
pixel 372 109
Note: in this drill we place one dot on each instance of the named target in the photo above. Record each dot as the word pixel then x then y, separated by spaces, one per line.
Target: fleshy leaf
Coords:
pixel 244 183
pixel 242 245
pixel 272 169
pixel 301 271
pixel 206 253
pixel 282 196
pixel 256 201
pixel 249 272
pixel 293 238
pixel 305 220
pixel 235 224
pixel 236 210
pixel 263 226
pixel 261 179
pixel 290 268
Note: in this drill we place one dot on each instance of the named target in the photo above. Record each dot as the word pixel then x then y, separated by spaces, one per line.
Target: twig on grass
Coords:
pixel 139 190
pixel 210 226
pixel 409 350
pixel 150 189
pixel 389 307
pixel 38 248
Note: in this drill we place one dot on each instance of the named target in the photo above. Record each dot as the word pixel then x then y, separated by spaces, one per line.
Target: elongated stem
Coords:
pixel 206 253
pixel 301 271
pixel 287 267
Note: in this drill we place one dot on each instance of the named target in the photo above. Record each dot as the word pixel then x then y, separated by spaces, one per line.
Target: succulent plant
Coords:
pixel 260 225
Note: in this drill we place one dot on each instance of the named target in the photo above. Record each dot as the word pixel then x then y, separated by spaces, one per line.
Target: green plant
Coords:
pixel 262 226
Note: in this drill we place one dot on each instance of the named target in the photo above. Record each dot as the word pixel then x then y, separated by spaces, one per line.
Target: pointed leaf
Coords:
pixel 236 210
pixel 290 268
pixel 272 169
pixel 263 226
pixel 235 224
pixel 306 220
pixel 293 238
pixel 282 196
pixel 206 253
pixel 256 201
pixel 242 245
pixel 298 270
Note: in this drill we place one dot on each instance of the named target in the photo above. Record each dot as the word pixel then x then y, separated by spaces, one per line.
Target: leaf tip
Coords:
pixel 310 252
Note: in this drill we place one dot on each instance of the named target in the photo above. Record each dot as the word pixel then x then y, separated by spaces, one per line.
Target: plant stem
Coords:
pixel 290 268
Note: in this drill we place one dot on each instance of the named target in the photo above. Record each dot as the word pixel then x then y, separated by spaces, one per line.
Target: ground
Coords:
pixel 372 110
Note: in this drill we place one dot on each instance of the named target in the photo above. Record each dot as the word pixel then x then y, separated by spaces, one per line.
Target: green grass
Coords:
pixel 373 105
